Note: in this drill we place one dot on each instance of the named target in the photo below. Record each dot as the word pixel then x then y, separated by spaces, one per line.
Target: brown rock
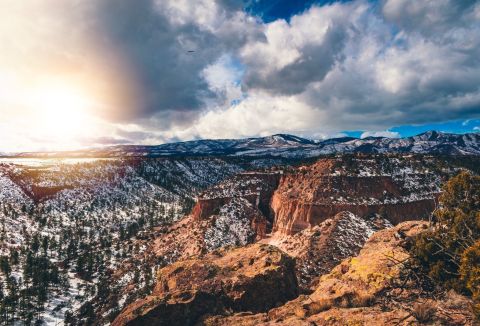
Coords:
pixel 256 187
pixel 353 293
pixel 254 278
pixel 320 248
pixel 312 194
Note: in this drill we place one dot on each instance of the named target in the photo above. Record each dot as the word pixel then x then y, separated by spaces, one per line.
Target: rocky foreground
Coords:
pixel 255 285
pixel 255 278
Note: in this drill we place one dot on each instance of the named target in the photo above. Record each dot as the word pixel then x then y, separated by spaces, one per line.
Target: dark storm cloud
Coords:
pixel 166 74
pixel 165 54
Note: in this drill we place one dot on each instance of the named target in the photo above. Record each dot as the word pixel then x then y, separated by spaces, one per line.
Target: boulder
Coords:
pixel 366 290
pixel 253 279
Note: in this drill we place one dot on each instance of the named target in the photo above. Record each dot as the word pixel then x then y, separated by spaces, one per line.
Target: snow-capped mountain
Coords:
pixel 282 145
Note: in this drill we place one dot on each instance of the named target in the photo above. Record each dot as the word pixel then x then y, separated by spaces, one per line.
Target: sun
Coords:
pixel 62 111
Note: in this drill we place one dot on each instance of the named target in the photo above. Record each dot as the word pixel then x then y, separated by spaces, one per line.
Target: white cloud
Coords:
pixel 258 114
pixel 351 64
pixel 345 66
pixel 385 133
pixel 223 78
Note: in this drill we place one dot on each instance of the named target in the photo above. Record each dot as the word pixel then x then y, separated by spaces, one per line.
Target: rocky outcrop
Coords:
pixel 293 216
pixel 318 249
pixel 255 187
pixel 397 188
pixel 313 194
pixel 236 223
pixel 359 291
pixel 255 278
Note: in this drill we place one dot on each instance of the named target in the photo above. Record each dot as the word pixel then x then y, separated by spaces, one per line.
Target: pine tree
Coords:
pixel 450 251
pixel 5 266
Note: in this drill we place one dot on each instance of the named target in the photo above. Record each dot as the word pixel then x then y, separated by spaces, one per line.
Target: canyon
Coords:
pixel 110 227
pixel 302 197
pixel 234 287
pixel 319 214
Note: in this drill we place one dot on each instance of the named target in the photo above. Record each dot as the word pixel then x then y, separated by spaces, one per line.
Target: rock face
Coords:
pixel 394 188
pixel 255 278
pixel 255 187
pixel 397 188
pixel 359 291
pixel 236 223
pixel 318 249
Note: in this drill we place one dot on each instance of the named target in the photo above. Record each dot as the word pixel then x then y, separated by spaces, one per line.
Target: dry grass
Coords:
pixel 363 300
pixel 319 306
pixel 453 300
pixel 424 312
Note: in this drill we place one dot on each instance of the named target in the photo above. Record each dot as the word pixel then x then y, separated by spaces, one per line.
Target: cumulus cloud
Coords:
pixel 258 114
pixel 432 18
pixel 382 72
pixel 349 66
pixel 296 54
pixel 180 69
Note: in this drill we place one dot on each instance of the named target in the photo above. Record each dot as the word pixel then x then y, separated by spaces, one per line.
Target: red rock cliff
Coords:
pixel 256 187
pixel 315 193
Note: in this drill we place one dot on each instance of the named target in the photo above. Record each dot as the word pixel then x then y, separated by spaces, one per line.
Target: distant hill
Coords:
pixel 289 146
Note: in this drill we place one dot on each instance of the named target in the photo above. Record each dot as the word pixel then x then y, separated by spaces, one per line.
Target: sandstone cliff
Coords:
pixel 318 249
pixel 396 188
pixel 366 290
pixel 255 187
pixel 254 278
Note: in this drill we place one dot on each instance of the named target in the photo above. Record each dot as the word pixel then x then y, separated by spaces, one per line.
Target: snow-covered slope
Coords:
pixel 71 224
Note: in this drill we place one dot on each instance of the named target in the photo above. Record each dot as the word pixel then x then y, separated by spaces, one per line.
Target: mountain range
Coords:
pixel 289 146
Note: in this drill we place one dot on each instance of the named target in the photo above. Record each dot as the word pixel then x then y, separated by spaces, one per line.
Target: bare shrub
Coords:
pixel 424 312
pixel 318 306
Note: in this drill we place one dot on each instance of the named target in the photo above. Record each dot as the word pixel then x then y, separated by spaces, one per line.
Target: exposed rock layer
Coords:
pixel 293 216
pixel 314 193
pixel 318 249
pixel 254 278
pixel 399 189
pixel 255 187
pixel 357 292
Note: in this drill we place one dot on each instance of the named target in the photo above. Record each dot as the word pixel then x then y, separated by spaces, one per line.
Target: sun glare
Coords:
pixel 62 112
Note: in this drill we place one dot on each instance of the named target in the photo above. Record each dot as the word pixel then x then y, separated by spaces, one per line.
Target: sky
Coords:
pixel 87 73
